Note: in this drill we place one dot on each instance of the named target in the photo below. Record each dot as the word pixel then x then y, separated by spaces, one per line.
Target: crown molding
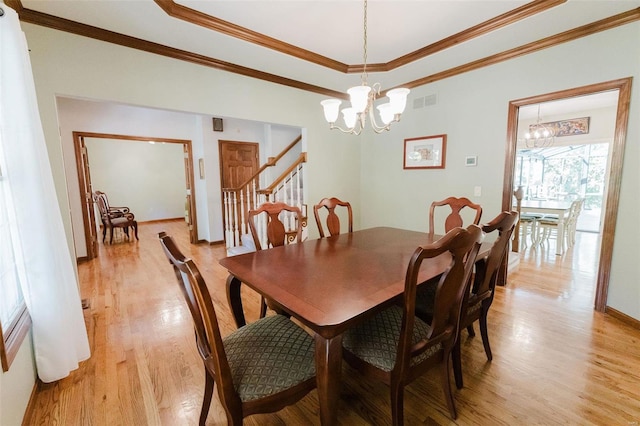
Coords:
pixel 195 17
pixel 43 19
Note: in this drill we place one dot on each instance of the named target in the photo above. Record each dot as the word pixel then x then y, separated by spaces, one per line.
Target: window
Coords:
pixel 14 318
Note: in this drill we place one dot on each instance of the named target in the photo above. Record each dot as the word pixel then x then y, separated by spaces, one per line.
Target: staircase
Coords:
pixel 286 188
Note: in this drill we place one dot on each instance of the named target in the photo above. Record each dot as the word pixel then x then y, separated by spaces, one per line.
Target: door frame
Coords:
pixel 615 177
pixel 84 182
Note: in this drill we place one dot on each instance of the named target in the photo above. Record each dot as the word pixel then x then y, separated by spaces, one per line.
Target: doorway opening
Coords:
pixel 86 187
pixel 612 187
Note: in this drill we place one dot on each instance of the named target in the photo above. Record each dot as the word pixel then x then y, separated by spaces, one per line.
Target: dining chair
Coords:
pixel 548 225
pixel 476 304
pixel 453 219
pixel 397 347
pixel 526 226
pixel 573 222
pixel 114 217
pixel 275 224
pixel 260 368
pixel 332 220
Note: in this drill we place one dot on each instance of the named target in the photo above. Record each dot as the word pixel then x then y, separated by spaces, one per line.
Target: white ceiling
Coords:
pixel 334 28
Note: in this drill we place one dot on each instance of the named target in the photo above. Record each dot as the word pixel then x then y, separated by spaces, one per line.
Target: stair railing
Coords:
pixel 238 201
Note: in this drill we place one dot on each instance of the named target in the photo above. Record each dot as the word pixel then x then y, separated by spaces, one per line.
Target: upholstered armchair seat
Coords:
pixel 269 356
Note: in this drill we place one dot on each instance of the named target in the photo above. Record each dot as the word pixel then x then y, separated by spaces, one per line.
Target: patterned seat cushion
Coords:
pixel 376 340
pixel 268 356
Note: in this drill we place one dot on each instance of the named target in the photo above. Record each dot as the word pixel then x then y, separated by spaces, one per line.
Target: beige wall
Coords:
pixel 472 110
pixel 366 170
pixel 16 385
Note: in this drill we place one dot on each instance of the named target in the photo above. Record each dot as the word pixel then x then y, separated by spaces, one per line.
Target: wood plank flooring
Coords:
pixel 556 361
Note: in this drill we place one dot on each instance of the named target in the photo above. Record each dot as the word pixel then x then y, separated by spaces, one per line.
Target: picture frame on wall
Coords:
pixel 425 152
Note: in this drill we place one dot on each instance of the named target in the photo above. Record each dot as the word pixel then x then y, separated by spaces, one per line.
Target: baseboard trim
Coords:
pixel 215 243
pixel 174 219
pixel 28 412
pixel 622 317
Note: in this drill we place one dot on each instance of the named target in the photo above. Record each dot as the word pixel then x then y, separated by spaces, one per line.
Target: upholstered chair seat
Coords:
pixel 269 356
pixel 376 340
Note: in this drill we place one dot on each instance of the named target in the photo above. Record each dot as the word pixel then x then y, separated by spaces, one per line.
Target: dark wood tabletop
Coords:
pixel 331 284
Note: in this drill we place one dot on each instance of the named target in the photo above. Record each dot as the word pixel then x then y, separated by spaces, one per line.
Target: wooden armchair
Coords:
pixel 333 221
pixel 114 217
pixel 397 347
pixel 269 219
pixel 454 219
pixel 260 368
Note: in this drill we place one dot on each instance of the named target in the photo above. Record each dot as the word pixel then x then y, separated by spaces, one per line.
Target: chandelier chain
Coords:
pixel 364 67
pixel 363 98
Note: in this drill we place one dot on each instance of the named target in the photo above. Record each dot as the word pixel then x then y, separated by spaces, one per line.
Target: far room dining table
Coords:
pixel 331 284
pixel 560 208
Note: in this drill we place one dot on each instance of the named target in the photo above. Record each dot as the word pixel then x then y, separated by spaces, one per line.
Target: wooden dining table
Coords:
pixel 331 284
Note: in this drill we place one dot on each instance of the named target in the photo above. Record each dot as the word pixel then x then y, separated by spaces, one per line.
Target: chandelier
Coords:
pixel 538 136
pixel 362 100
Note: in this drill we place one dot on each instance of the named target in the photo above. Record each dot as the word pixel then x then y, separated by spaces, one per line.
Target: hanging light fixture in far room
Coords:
pixel 362 100
pixel 538 136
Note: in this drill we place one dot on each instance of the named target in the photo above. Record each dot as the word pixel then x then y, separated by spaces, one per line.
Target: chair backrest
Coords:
pixel 205 321
pixel 277 214
pixel 487 277
pixel 333 221
pixel 103 205
pixel 576 207
pixel 105 208
pixel 463 245
pixel 454 219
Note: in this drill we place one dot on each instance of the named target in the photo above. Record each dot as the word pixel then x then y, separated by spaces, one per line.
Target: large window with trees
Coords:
pixel 564 172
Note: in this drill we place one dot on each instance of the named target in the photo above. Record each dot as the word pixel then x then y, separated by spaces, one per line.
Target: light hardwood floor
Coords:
pixel 556 361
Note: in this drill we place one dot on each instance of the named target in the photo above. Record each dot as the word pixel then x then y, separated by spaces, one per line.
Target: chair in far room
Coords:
pixel 114 217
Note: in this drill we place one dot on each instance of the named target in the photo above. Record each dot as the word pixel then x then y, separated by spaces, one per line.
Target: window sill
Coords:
pixel 15 334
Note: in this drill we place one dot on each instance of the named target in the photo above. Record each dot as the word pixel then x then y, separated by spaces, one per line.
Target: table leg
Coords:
pixel 560 236
pixel 235 301
pixel 328 370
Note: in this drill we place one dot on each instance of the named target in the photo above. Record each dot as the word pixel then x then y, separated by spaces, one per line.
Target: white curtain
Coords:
pixel 48 277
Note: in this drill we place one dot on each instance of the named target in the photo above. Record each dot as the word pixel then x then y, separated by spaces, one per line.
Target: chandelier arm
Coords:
pixel 333 126
pixel 374 124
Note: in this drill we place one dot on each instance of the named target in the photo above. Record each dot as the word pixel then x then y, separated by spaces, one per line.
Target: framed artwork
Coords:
pixel 426 152
pixel 571 127
pixel 471 160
